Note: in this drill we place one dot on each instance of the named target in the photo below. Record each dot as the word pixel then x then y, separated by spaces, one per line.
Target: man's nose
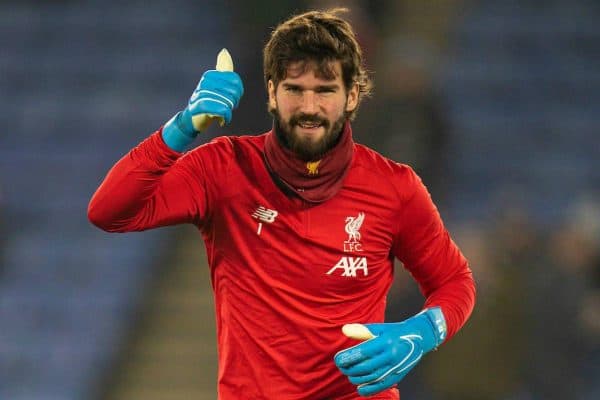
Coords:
pixel 309 102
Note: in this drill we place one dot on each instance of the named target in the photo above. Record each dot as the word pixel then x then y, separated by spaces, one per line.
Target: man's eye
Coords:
pixel 292 89
pixel 325 90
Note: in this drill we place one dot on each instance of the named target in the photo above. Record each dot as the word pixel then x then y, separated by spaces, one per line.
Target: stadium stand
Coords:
pixel 521 88
pixel 75 97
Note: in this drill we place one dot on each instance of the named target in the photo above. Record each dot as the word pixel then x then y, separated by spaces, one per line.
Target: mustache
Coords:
pixel 310 118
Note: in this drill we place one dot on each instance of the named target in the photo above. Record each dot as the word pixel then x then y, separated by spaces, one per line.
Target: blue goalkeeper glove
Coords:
pixel 216 95
pixel 392 351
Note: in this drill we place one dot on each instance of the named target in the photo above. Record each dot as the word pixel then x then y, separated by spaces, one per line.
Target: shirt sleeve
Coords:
pixel 432 258
pixel 149 187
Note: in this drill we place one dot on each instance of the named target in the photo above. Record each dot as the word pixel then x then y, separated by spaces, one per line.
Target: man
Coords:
pixel 301 226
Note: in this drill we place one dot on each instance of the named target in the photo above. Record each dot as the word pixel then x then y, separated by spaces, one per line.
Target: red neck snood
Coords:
pixel 315 181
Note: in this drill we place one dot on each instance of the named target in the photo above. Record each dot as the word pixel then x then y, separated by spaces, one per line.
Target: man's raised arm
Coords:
pixel 150 186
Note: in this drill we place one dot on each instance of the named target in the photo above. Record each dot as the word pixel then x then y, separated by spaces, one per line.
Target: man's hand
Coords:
pixel 217 94
pixel 395 348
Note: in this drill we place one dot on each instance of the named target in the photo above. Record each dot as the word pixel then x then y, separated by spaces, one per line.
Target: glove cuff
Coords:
pixel 436 318
pixel 179 131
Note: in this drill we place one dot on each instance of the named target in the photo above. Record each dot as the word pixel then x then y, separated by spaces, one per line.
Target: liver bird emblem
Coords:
pixel 353 225
pixel 312 167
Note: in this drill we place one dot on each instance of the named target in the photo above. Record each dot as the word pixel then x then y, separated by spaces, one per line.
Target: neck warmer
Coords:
pixel 313 181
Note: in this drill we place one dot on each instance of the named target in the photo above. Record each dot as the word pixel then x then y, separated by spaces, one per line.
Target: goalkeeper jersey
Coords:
pixel 288 274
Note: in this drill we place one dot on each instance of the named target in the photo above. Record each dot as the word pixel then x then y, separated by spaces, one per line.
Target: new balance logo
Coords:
pixel 350 265
pixel 264 215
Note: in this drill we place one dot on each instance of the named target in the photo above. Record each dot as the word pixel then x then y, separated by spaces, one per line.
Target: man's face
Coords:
pixel 310 110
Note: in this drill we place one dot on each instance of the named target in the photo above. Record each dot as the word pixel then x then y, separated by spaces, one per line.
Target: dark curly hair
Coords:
pixel 317 37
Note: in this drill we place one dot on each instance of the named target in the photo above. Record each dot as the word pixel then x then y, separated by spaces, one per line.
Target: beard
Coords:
pixel 305 148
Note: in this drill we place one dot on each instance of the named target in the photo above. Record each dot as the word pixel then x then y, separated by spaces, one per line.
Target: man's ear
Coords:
pixel 352 98
pixel 272 99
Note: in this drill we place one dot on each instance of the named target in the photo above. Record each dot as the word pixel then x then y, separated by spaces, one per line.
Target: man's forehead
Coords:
pixel 328 71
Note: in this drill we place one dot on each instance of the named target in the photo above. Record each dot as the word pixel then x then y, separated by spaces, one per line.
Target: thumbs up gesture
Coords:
pixel 217 94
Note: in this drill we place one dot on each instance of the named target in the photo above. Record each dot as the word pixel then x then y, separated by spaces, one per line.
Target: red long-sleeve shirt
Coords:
pixel 288 274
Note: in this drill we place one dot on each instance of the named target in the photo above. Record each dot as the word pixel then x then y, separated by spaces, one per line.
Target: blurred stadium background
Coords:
pixel 496 103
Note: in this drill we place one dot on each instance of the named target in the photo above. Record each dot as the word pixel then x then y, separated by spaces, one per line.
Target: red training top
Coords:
pixel 288 274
